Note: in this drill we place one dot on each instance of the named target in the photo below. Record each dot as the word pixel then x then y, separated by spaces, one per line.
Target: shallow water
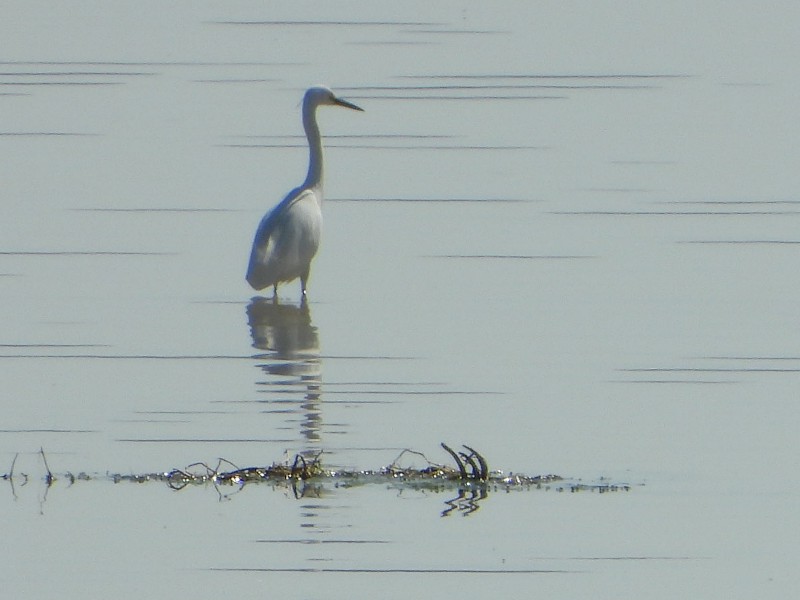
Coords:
pixel 565 238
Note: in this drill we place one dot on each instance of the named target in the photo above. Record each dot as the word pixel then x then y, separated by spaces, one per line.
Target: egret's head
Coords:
pixel 320 94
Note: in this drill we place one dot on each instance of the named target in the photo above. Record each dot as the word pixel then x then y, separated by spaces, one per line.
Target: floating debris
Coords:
pixel 470 478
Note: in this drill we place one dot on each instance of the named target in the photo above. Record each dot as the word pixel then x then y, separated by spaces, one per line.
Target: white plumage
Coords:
pixel 288 236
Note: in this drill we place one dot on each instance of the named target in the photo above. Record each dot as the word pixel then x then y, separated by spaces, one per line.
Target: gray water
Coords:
pixel 564 235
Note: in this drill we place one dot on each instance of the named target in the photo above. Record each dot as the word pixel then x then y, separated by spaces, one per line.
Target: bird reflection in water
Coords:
pixel 291 359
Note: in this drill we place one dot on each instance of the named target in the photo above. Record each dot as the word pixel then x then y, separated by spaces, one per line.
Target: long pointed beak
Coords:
pixel 347 104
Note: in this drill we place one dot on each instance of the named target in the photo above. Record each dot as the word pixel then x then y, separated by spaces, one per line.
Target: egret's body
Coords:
pixel 288 236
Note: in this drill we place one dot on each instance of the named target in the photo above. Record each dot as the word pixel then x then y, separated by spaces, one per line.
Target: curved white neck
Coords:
pixel 314 177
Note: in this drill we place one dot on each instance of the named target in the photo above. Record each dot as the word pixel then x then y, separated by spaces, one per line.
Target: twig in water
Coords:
pixel 178 479
pixel 473 468
pixel 49 479
pixel 484 471
pixel 11 476
pixel 394 464
pixel 210 473
pixel 315 462
pixel 478 468
pixel 226 461
pixel 303 473
pixel 461 469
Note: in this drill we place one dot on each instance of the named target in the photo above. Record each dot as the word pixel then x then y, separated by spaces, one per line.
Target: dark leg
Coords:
pixel 303 280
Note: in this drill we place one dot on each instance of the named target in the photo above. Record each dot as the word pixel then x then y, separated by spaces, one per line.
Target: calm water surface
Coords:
pixel 567 238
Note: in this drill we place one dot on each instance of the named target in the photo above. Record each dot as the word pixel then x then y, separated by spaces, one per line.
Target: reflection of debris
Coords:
pixel 466 502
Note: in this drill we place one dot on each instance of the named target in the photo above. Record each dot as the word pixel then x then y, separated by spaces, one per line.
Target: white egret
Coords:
pixel 288 236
